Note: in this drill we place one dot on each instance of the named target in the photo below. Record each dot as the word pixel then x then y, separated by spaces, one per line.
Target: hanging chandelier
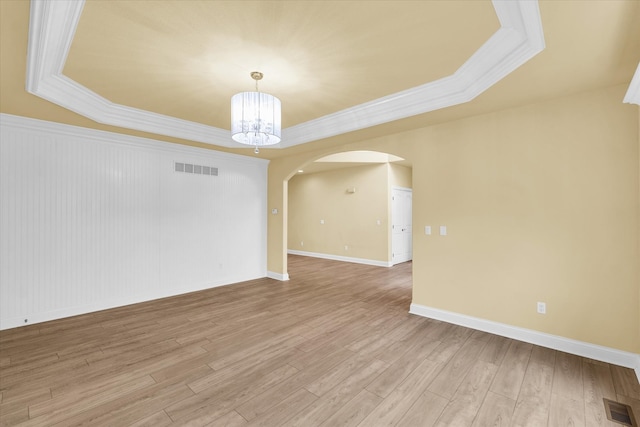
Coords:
pixel 255 117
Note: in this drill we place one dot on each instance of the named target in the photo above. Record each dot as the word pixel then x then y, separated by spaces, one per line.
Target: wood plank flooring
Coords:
pixel 332 346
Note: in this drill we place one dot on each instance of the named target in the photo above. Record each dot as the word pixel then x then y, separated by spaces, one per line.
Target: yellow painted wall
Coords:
pixel 399 176
pixel 350 219
pixel 541 204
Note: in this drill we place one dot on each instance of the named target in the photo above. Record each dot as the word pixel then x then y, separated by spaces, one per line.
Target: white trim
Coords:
pixel 341 258
pixel 633 93
pixel 118 302
pixel 278 276
pixel 53 25
pixel 45 128
pixel 568 345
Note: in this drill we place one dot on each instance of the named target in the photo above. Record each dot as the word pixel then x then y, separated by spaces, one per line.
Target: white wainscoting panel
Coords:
pixel 91 220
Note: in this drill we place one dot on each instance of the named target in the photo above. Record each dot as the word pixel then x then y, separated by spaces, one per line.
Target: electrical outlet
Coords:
pixel 542 308
pixel 301 243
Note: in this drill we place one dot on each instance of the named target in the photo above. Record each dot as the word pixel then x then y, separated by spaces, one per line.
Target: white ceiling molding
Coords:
pixel 46 128
pixel 53 24
pixel 633 93
pixel 51 30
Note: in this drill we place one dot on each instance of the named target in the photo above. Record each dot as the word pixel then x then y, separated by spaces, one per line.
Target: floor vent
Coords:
pixel 619 413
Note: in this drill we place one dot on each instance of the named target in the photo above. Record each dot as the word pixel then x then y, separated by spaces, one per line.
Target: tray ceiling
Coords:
pixel 170 67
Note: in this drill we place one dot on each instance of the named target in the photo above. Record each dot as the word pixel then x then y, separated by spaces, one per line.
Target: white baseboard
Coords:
pixel 15 322
pixel 579 348
pixel 342 258
pixel 278 276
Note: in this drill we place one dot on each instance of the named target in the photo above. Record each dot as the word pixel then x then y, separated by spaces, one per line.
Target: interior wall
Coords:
pixel 541 204
pixel 355 224
pixel 400 176
pixel 92 220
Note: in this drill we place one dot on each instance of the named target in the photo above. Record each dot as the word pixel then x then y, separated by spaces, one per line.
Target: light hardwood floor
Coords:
pixel 332 346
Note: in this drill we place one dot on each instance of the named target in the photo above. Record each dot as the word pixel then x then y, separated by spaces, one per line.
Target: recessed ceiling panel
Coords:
pixel 187 58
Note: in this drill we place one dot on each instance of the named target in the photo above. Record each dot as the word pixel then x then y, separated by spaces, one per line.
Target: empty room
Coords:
pixel 320 213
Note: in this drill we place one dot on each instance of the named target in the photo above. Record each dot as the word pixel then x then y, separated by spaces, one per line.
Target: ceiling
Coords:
pixel 185 59
pixel 318 57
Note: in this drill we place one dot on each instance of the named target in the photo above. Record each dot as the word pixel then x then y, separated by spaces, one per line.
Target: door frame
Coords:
pixel 394 189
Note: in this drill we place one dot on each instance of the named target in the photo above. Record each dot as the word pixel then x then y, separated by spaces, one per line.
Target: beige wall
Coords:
pixel 350 219
pixel 399 176
pixel 541 204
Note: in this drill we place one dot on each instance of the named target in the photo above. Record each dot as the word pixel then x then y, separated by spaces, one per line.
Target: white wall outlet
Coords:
pixel 322 221
pixel 378 222
pixel 427 230
pixel 542 308
pixel 346 248
pixel 443 230
pixel 301 243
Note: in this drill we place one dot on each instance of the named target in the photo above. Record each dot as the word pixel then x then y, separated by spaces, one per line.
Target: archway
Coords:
pixel 281 170
pixel 344 207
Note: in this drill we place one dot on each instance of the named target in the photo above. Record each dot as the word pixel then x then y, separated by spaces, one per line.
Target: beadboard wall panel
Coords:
pixel 91 220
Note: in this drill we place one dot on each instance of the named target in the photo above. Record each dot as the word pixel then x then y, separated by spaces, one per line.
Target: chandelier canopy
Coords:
pixel 255 117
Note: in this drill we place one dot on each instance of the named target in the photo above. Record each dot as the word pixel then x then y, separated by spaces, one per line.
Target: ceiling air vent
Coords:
pixel 195 169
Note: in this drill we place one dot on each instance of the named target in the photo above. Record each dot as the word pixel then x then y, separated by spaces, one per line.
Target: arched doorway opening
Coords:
pixel 351 206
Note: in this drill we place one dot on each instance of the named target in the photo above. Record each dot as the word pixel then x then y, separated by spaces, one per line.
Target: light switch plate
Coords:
pixel 427 230
pixel 443 230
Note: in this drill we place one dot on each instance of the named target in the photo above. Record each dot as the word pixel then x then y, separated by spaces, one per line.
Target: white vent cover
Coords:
pixel 195 169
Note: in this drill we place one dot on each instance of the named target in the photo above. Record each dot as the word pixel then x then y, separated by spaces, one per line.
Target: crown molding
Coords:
pixel 45 128
pixel 633 93
pixel 53 25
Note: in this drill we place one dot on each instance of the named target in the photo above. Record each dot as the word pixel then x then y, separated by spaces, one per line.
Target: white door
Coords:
pixel 401 225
